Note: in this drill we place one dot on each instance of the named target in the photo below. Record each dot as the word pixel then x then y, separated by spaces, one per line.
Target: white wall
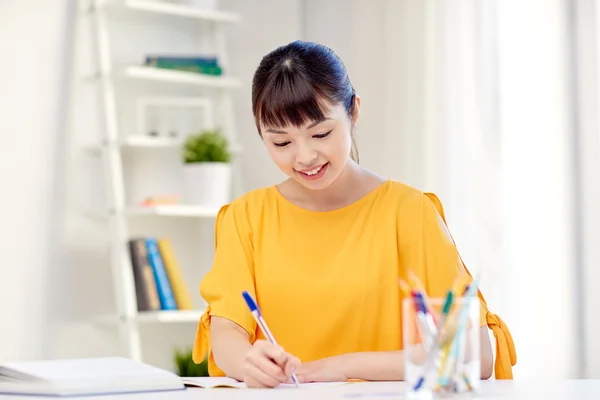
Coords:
pixel 32 98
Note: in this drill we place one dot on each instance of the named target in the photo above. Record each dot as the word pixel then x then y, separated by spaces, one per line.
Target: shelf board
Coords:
pixel 172 76
pixel 177 210
pixel 169 316
pixel 149 142
pixel 174 316
pixel 176 10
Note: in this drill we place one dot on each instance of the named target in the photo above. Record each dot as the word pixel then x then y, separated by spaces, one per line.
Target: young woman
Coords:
pixel 323 251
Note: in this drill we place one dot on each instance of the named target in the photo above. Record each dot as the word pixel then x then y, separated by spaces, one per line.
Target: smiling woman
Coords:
pixel 322 252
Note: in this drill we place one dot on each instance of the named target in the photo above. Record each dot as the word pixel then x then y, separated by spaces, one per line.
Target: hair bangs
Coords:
pixel 290 99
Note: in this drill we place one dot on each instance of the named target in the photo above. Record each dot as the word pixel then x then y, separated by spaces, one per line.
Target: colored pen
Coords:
pixel 462 317
pixel 262 324
pixel 436 347
pixel 428 316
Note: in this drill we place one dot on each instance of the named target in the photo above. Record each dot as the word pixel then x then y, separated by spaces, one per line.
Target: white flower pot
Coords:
pixel 207 184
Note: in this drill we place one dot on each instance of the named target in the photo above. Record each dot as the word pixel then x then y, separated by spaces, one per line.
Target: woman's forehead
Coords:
pixel 303 120
pixel 333 115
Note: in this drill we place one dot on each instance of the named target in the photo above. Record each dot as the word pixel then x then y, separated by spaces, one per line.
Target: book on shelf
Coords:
pixel 145 284
pixel 180 290
pixel 84 377
pixel 182 59
pixel 159 283
pixel 207 65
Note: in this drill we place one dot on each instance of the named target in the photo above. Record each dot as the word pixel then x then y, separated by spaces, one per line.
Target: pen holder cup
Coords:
pixel 441 351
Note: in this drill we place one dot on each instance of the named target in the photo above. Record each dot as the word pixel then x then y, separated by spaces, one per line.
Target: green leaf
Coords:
pixel 185 365
pixel 207 146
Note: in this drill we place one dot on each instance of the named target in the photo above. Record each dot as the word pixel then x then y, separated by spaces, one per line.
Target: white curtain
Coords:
pixel 478 110
pixel 586 16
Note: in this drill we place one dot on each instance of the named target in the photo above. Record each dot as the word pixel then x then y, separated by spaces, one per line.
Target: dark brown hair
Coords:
pixel 291 82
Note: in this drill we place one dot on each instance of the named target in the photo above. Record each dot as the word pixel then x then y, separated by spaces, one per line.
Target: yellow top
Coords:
pixel 327 282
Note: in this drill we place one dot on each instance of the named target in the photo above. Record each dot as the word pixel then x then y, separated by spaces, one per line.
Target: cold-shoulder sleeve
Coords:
pixel 232 272
pixel 428 249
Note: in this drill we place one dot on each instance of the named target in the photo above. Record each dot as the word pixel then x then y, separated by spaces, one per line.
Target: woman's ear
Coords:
pixel 355 110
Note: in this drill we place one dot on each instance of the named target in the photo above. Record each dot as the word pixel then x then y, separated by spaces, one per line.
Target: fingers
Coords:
pixel 267 365
pixel 292 364
pixel 255 377
pixel 275 353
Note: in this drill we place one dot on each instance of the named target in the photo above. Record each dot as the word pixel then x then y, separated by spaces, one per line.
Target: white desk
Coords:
pixel 492 390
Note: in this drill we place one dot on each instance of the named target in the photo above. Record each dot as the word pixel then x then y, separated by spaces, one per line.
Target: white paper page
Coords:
pixel 213 382
pixel 309 385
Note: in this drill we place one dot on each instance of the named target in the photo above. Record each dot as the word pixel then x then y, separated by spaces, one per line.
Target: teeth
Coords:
pixel 314 171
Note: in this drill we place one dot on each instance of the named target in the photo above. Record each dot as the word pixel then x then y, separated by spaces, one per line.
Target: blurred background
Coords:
pixel 490 104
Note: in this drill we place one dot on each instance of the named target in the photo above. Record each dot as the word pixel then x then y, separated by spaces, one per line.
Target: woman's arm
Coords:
pixel 230 344
pixel 384 366
pixel 378 366
pixel 486 354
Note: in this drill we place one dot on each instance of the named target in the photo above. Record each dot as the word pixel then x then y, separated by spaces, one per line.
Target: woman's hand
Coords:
pixel 332 369
pixel 267 365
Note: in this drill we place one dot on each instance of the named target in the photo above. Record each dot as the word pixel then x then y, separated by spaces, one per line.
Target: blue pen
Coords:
pixel 261 323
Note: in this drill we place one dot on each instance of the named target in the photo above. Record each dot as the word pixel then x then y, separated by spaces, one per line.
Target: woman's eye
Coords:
pixel 282 144
pixel 322 135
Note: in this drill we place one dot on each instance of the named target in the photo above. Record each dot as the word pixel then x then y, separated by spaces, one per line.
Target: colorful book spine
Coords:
pixel 180 290
pixel 199 69
pixel 145 284
pixel 201 65
pixel 165 292
pixel 183 60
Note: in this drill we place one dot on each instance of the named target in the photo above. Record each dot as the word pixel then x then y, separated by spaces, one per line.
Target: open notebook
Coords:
pixel 217 382
pixel 69 377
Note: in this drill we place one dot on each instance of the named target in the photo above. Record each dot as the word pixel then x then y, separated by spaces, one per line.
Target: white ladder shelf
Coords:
pixel 127 316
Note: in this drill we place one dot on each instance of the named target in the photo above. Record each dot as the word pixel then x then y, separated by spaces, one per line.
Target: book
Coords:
pixel 225 382
pixel 199 64
pixel 145 284
pixel 182 59
pixel 85 376
pixel 180 289
pixel 163 285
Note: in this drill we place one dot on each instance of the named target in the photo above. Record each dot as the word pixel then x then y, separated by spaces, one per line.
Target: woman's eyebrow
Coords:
pixel 275 131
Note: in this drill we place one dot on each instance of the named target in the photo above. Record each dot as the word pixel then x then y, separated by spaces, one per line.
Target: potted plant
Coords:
pixel 185 365
pixel 207 169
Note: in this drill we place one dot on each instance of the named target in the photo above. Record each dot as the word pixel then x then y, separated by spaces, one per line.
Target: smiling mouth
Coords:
pixel 312 171
pixel 315 173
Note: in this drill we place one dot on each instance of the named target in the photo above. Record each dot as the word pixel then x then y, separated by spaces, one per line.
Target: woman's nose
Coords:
pixel 306 155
